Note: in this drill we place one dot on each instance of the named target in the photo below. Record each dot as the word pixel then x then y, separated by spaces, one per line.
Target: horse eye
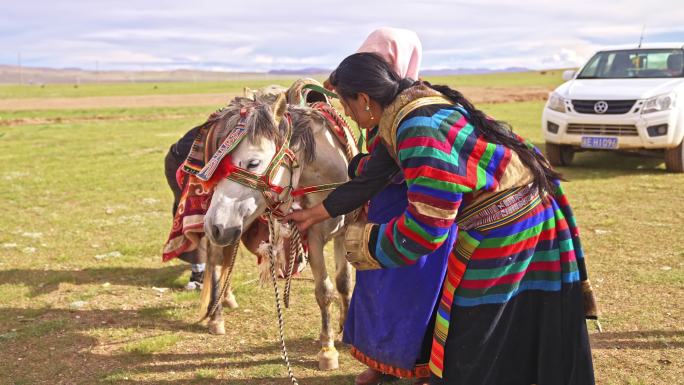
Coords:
pixel 253 163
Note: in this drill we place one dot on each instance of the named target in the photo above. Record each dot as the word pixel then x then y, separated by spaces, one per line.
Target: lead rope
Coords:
pixel 296 249
pixel 272 239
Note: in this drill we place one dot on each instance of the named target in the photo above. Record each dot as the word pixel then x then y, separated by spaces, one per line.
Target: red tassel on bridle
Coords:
pixel 224 169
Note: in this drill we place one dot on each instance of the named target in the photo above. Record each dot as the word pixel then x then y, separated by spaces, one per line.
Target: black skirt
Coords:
pixel 537 337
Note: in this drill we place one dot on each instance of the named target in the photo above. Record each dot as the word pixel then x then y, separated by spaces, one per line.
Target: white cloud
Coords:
pixel 565 58
pixel 270 34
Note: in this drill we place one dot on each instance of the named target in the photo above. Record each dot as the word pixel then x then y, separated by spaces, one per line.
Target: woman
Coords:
pixel 511 307
pixel 402 349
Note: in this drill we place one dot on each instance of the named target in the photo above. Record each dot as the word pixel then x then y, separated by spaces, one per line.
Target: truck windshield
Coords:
pixel 637 63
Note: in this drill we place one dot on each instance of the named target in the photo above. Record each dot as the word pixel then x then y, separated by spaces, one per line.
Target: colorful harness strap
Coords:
pixel 338 125
pixel 314 189
pixel 342 133
pixel 229 143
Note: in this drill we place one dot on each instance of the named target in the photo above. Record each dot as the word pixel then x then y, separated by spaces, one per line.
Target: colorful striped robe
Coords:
pixel 447 165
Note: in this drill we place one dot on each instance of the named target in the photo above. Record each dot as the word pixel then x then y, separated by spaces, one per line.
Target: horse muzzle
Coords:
pixel 223 236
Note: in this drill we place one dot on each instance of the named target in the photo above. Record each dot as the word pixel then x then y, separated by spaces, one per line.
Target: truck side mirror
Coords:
pixel 568 75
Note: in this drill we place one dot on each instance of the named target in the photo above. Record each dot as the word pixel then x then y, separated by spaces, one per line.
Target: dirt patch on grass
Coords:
pixel 96 118
pixel 476 94
pixel 188 100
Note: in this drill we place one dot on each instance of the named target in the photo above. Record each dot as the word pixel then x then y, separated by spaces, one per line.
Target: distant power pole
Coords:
pixel 21 72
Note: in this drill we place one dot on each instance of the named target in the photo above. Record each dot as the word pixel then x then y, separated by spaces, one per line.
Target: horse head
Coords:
pixel 247 180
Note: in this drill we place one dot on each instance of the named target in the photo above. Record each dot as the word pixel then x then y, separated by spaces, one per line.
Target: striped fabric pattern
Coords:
pixel 534 253
pixel 573 228
pixel 442 158
pixel 537 252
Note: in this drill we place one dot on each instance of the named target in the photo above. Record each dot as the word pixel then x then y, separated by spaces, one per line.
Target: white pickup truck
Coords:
pixel 627 98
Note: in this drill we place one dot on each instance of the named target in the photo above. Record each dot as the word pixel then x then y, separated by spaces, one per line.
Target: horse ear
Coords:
pixel 279 107
pixel 249 93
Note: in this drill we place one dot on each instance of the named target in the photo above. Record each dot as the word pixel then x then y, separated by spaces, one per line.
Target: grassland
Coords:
pixel 85 210
pixel 525 79
pixel 130 89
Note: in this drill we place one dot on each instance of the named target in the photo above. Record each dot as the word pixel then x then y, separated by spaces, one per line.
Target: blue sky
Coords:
pixel 260 35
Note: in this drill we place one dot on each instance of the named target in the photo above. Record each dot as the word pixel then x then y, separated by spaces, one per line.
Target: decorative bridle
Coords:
pixel 277 197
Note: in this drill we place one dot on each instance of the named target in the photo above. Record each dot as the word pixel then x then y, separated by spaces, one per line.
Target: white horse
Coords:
pixel 237 202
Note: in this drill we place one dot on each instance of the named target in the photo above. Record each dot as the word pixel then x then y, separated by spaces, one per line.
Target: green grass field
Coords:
pixel 525 79
pixel 127 89
pixel 85 211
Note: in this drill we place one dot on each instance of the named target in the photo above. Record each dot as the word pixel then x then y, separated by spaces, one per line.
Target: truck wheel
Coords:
pixel 674 159
pixel 559 155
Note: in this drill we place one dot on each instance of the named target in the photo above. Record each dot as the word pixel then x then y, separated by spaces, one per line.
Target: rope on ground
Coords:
pixel 273 238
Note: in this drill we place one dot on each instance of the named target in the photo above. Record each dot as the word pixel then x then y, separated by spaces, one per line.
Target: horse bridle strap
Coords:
pixel 229 143
pixel 274 194
pixel 315 189
pixel 340 130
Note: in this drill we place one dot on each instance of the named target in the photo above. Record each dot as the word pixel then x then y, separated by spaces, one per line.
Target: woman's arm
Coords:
pixel 376 172
pixel 435 155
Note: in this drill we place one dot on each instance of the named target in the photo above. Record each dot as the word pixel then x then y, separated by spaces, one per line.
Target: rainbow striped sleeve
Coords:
pixel 442 158
pixel 360 165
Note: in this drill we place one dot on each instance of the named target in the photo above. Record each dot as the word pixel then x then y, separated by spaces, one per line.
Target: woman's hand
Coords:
pixel 306 218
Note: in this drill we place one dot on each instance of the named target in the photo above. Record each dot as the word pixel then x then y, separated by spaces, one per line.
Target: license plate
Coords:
pixel 599 142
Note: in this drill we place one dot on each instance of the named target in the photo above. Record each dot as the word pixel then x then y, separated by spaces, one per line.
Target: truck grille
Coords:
pixel 614 106
pixel 603 129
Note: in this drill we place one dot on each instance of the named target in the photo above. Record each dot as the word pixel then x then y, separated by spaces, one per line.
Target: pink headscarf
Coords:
pixel 400 47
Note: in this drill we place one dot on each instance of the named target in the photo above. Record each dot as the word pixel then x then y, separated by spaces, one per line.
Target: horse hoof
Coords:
pixel 328 359
pixel 217 328
pixel 230 303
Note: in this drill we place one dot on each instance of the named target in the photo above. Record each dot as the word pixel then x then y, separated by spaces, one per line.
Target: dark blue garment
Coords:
pixel 391 308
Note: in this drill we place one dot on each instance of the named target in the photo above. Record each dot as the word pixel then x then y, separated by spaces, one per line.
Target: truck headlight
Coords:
pixel 659 103
pixel 556 102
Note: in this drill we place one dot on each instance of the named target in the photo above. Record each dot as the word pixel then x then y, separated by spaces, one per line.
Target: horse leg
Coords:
pixel 216 323
pixel 214 257
pixel 328 358
pixel 229 299
pixel 343 278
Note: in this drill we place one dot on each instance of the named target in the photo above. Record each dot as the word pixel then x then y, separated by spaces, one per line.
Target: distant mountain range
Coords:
pixel 430 72
pixel 301 71
pixel 36 75
pixel 470 71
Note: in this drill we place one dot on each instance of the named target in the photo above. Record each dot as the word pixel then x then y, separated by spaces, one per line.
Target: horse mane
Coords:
pixel 261 124
pixel 303 121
